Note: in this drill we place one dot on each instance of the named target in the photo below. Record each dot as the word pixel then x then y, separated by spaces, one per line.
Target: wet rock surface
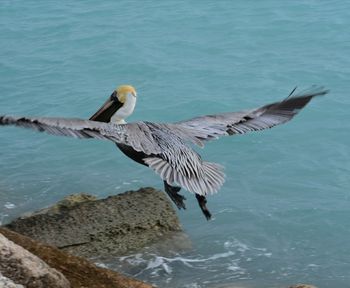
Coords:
pixel 78 271
pixel 27 269
pixel 117 224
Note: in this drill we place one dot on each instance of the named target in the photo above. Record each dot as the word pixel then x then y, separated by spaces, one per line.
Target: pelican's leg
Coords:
pixel 202 201
pixel 172 191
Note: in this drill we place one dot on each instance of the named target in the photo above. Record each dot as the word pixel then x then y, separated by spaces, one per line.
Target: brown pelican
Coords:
pixel 166 147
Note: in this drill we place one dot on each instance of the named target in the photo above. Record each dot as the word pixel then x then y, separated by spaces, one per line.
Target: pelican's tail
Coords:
pixel 214 177
pixel 209 179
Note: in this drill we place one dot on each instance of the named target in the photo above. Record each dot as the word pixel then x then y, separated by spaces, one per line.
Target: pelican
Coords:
pixel 167 148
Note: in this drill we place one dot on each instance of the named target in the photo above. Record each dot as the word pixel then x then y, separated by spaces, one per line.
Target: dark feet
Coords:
pixel 178 199
pixel 172 191
pixel 202 201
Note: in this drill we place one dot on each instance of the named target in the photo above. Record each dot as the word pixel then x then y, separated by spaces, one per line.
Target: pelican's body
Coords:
pixel 165 147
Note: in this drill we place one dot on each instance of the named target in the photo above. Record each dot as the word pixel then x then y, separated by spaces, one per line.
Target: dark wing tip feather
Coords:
pixel 298 101
pixel 10 120
pixel 54 126
pixel 4 120
pixel 312 91
pixel 276 113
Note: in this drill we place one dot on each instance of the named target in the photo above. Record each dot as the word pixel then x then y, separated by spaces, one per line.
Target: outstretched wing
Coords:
pixel 175 161
pixel 137 135
pixel 212 126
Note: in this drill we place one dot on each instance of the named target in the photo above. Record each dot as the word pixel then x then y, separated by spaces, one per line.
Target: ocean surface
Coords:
pixel 283 215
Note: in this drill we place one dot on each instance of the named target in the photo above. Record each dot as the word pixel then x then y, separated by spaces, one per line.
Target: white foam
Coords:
pixel 233 268
pixel 134 260
pixel 241 247
pixel 192 285
pixel 9 205
pixel 158 264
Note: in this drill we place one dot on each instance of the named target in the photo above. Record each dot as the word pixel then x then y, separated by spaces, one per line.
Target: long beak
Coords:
pixel 105 113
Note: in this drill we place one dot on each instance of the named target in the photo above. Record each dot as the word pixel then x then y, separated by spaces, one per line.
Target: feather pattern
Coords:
pixel 212 126
pixel 181 164
pixel 171 157
pixel 137 135
pixel 165 145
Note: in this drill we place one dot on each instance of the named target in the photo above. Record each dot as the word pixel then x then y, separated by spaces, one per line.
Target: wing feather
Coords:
pixel 175 161
pixel 212 126
pixel 136 135
pixel 210 180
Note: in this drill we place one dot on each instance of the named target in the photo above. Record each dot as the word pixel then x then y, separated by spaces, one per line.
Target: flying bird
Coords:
pixel 167 148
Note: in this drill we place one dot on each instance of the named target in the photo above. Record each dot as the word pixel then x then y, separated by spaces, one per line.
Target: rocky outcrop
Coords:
pixel 61 206
pixel 117 224
pixel 8 283
pixel 27 269
pixel 79 272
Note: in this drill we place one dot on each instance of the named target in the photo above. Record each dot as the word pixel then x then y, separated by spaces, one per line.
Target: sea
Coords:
pixel 283 214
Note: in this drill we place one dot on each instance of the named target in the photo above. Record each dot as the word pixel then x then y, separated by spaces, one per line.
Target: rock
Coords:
pixel 79 272
pixel 27 269
pixel 8 283
pixel 117 224
pixel 60 206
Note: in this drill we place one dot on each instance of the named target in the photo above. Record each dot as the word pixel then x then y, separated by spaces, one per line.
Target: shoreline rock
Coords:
pixel 26 269
pixel 8 283
pixel 84 225
pixel 87 227
pixel 78 271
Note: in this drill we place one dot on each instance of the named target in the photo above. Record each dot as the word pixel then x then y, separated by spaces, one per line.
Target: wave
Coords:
pixel 231 263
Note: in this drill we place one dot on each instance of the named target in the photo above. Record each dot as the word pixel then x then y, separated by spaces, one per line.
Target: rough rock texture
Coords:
pixel 64 204
pixel 79 272
pixel 115 225
pixel 8 283
pixel 27 269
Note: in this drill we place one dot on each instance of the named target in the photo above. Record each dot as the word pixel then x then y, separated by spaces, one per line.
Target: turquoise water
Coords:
pixel 282 216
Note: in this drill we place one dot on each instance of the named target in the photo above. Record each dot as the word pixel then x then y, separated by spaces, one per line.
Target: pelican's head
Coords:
pixel 118 106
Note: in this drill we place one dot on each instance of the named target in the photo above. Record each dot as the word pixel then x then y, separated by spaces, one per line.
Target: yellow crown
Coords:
pixel 123 90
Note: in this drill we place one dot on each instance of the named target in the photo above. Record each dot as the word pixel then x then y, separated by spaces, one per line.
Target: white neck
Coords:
pixel 125 111
pixel 118 121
